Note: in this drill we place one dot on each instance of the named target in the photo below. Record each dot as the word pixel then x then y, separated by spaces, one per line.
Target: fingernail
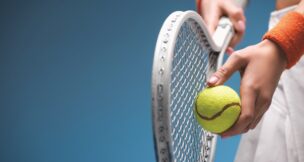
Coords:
pixel 213 79
pixel 241 25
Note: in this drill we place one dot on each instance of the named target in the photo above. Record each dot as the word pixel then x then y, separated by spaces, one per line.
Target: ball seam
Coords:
pixel 218 113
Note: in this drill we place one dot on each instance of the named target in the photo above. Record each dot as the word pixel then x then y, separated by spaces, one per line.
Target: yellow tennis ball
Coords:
pixel 217 108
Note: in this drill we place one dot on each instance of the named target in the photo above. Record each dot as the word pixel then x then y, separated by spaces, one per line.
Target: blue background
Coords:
pixel 75 78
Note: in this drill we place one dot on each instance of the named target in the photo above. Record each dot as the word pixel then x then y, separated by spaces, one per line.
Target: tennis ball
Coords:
pixel 217 108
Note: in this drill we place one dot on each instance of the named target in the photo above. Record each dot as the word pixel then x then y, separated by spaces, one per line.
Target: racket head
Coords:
pixel 185 55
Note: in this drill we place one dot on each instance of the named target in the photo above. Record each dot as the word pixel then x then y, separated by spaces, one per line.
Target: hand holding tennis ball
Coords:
pixel 217 108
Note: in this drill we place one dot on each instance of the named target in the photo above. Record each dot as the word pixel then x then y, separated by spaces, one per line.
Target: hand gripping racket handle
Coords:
pixel 222 37
pixel 224 33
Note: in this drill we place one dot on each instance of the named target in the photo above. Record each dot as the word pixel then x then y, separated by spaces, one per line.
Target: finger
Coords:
pixel 212 21
pixel 234 63
pixel 236 15
pixel 255 122
pixel 238 36
pixel 248 101
pixel 239 25
pixel 229 50
pixel 263 103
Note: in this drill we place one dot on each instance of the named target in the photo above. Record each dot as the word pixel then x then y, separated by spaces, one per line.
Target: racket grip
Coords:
pixel 222 36
pixel 223 33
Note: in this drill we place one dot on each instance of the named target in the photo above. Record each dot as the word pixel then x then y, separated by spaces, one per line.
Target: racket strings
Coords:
pixel 188 77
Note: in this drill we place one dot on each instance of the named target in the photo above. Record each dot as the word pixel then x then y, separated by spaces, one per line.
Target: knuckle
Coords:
pixel 222 70
pixel 254 124
pixel 251 85
pixel 237 13
pixel 266 99
pixel 246 130
pixel 237 57
pixel 248 117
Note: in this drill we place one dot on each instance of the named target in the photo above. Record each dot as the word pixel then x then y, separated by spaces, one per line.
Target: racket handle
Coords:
pixel 223 33
pixel 222 36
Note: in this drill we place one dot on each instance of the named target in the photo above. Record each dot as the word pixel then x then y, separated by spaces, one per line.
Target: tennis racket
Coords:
pixel 185 56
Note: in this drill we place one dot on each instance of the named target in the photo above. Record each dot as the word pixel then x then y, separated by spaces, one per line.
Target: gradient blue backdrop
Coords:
pixel 75 78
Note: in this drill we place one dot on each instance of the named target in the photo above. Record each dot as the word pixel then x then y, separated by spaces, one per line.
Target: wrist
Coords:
pixel 275 50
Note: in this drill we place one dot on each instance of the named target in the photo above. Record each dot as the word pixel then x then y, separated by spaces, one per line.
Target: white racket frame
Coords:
pixel 161 74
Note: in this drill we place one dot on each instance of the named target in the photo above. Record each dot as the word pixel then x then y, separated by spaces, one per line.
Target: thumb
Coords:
pixel 236 15
pixel 234 63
